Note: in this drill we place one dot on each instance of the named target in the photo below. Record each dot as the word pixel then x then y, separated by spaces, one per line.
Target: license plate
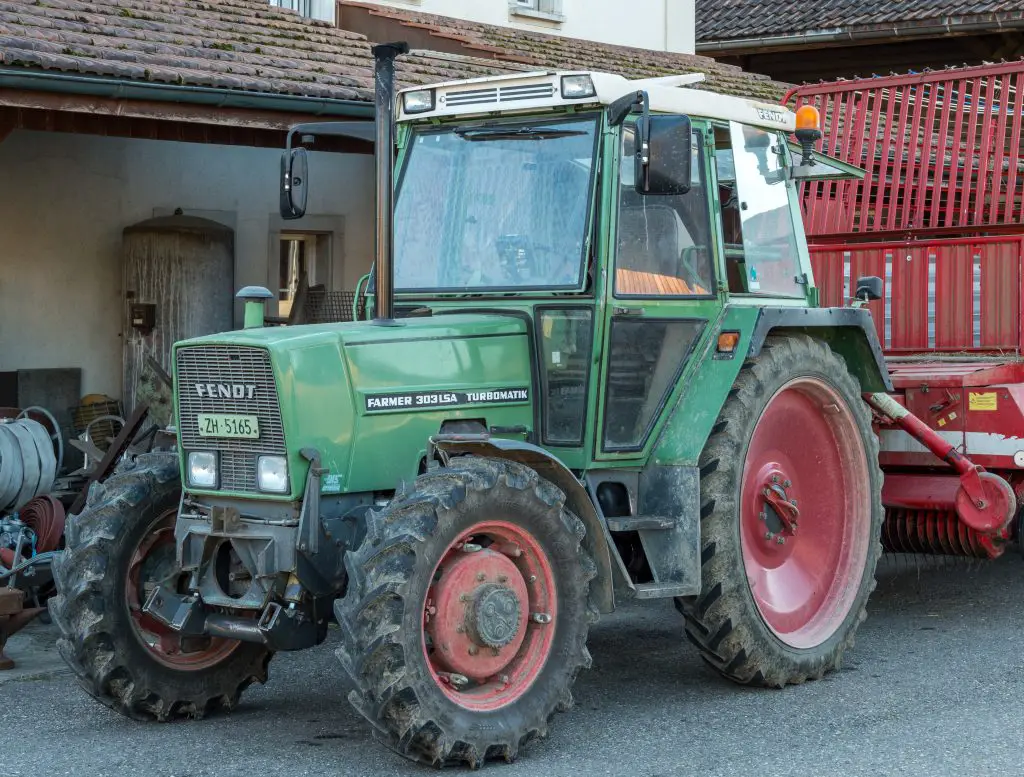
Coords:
pixel 246 427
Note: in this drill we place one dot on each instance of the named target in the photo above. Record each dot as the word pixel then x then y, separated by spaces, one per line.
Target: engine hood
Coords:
pixel 369 397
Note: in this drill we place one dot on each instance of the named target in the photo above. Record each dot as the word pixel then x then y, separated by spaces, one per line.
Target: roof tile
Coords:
pixel 721 20
pixel 249 45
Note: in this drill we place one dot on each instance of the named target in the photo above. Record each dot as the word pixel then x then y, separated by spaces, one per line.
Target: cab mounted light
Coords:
pixel 418 102
pixel 808 131
pixel 578 87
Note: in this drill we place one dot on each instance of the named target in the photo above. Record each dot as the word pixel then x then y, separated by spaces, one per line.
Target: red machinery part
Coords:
pixel 984 501
pixel 45 516
pixel 935 532
pixel 14 616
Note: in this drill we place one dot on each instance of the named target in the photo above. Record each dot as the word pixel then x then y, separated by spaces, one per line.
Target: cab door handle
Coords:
pixel 627 311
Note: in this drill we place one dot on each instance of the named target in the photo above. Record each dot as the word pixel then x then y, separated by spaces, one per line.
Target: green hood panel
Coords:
pixel 369 397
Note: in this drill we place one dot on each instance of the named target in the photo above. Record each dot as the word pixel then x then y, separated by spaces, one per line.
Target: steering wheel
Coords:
pixel 518 256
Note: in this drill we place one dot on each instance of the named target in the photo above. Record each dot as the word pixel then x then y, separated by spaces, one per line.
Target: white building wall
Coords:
pixel 67 198
pixel 662 25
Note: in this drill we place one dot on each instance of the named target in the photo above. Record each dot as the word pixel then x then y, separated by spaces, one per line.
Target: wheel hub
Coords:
pixel 495 616
pixel 777 506
pixel 475 619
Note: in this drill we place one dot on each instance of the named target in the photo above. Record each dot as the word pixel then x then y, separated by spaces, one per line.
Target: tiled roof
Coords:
pixel 719 20
pixel 250 46
pixel 540 50
pixel 228 44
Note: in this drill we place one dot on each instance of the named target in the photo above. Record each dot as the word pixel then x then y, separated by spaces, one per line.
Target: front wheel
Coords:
pixel 118 549
pixel 791 516
pixel 467 612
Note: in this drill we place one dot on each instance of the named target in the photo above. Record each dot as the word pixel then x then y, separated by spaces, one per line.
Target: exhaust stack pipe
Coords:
pixel 384 81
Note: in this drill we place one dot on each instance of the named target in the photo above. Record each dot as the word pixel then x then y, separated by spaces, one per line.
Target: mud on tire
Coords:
pixel 382 615
pixel 724 621
pixel 98 638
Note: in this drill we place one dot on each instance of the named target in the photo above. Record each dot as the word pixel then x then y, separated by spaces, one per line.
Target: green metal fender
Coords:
pixel 850 332
pixel 596 542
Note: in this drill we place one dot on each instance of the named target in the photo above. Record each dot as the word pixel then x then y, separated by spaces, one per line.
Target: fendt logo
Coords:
pixel 226 390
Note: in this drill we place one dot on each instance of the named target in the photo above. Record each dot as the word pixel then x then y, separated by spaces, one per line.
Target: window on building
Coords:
pixel 304 260
pixel 551 8
pixel 311 9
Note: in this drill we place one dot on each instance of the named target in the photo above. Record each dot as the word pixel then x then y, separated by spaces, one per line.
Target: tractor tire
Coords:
pixel 781 603
pixel 466 617
pixel 123 539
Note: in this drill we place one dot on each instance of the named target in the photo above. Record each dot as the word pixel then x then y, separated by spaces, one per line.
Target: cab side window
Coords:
pixel 664 242
pixel 756 222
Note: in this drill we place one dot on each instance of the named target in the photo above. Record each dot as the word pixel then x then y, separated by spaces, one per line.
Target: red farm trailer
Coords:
pixel 938 217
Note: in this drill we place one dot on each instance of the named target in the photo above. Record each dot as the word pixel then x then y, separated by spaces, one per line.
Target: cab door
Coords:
pixel 664 301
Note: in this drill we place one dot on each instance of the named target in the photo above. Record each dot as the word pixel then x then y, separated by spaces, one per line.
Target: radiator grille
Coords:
pixel 222 365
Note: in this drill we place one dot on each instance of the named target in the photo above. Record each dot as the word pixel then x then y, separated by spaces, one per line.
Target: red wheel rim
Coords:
pixel 805 512
pixel 489 616
pixel 152 560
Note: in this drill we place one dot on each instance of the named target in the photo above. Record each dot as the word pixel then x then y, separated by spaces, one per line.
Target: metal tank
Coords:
pixel 178 282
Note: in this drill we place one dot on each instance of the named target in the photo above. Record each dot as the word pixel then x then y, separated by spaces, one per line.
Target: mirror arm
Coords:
pixel 625 105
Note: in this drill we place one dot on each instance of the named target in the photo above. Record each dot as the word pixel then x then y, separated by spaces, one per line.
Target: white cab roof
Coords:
pixel 522 93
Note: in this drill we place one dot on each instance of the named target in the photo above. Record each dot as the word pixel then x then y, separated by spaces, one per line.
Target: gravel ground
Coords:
pixel 931 689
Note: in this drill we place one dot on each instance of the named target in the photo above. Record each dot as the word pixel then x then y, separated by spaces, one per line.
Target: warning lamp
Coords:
pixel 727 344
pixel 808 131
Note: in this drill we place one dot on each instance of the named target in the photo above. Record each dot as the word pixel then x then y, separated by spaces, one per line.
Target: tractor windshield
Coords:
pixel 495 207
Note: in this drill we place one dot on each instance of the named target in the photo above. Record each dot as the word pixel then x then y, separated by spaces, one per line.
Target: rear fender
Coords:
pixel 850 332
pixel 596 541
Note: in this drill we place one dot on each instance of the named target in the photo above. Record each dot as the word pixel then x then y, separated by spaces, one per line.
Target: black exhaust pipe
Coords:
pixel 384 82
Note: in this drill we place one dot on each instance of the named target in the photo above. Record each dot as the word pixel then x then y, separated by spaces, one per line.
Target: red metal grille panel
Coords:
pixel 953 296
pixel 941 150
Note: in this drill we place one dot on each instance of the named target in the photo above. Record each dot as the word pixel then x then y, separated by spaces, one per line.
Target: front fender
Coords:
pixel 596 542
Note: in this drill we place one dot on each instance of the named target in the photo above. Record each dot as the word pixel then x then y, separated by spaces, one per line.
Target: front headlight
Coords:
pixel 272 474
pixel 202 469
pixel 418 102
pixel 578 87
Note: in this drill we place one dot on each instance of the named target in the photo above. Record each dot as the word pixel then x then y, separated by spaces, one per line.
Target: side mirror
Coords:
pixel 294 185
pixel 664 155
pixel 869 288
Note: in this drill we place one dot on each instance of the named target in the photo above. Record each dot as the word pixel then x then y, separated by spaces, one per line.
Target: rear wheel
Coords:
pixel 791 515
pixel 466 616
pixel 118 549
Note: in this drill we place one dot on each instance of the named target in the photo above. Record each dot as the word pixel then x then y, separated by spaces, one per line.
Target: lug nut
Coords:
pixel 768 536
pixel 531 579
pixel 460 629
pixel 473 650
pixel 788 484
pixel 780 540
pixel 540 617
pixel 470 547
pixel 502 579
pixel 504 679
pixel 480 577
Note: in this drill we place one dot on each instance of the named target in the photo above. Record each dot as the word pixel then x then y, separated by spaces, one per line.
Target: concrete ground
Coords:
pixel 931 689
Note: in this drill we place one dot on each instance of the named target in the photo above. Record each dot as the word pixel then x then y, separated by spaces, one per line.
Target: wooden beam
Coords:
pixel 47 120
pixel 150 109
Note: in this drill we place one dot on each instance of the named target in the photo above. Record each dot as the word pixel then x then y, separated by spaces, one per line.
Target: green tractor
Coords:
pixel 593 369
